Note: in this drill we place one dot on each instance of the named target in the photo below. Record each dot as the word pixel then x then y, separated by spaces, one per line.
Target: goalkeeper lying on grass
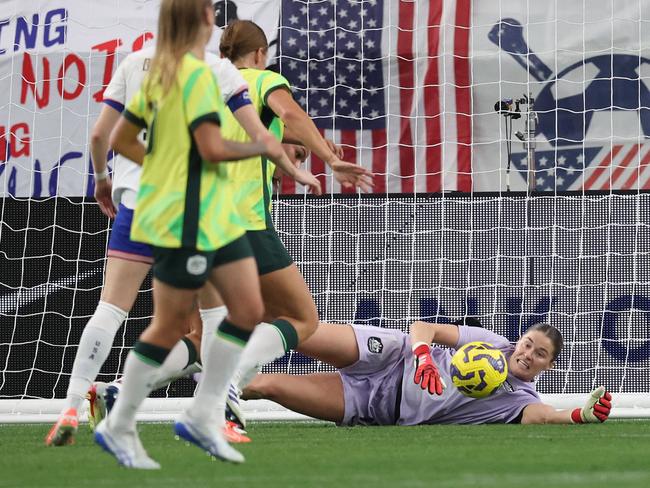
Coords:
pixel 387 377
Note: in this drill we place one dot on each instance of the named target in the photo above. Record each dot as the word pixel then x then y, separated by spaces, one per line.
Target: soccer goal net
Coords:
pixel 508 141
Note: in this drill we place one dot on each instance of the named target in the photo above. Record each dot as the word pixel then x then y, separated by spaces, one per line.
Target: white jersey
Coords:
pixel 125 83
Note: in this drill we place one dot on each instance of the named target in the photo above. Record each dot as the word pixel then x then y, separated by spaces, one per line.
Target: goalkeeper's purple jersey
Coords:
pixel 452 407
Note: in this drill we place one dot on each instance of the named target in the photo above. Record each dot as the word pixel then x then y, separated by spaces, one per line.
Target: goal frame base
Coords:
pixel 625 406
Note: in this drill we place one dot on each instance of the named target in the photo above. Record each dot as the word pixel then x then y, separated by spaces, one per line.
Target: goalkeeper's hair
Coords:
pixel 553 334
pixel 179 22
pixel 240 38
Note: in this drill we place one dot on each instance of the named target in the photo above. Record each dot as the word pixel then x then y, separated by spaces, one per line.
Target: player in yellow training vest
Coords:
pixel 287 299
pixel 186 211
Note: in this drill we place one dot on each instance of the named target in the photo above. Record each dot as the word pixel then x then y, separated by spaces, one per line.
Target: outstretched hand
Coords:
pixel 306 178
pixel 596 409
pixel 352 175
pixel 426 372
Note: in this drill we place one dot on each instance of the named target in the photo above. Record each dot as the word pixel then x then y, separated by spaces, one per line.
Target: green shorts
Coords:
pixel 188 268
pixel 268 250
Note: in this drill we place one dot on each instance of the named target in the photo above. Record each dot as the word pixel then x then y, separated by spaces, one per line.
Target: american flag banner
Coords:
pixel 387 80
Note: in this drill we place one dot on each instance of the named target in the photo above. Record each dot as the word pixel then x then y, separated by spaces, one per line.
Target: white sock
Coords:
pixel 211 318
pixel 265 345
pixel 140 372
pixel 219 364
pixel 94 347
pixel 180 362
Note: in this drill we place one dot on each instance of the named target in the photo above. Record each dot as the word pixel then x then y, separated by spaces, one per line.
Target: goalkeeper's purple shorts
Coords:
pixel 120 244
pixel 371 386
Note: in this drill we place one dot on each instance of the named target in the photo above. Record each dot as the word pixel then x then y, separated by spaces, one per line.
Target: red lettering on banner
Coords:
pixel 109 47
pixel 18 145
pixel 141 40
pixel 29 82
pixel 3 145
pixel 69 60
pixel 24 141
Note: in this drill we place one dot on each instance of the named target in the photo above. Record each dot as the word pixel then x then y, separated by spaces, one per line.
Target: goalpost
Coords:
pixel 575 252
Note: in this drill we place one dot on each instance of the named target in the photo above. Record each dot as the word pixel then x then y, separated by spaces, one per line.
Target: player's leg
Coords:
pixel 117 434
pixel 289 306
pixel 127 266
pixel 317 395
pixel 183 359
pixel 213 311
pixel 121 285
pixel 235 277
pixel 334 344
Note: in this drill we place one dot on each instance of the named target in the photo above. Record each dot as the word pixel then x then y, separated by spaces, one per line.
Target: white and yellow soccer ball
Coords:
pixel 478 369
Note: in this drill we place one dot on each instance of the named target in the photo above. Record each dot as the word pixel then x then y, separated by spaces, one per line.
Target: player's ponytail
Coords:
pixel 179 21
pixel 240 38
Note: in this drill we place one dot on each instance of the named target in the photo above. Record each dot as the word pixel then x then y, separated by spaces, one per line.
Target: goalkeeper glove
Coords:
pixel 426 373
pixel 596 409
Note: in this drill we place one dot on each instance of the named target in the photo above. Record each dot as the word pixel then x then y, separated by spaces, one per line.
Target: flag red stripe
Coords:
pixel 379 160
pixel 637 174
pixel 433 137
pixel 349 143
pixel 621 167
pixel 288 185
pixel 601 167
pixel 406 87
pixel 463 95
pixel 318 167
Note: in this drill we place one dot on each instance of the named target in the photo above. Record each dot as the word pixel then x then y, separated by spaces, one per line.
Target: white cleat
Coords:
pixel 209 438
pixel 234 412
pixel 125 447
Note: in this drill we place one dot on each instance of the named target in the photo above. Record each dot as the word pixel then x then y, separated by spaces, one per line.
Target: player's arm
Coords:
pixel 248 118
pixel 99 146
pixel 596 410
pixel 422 334
pixel 124 139
pixel 290 138
pixel 443 334
pixel 304 130
pixel 212 147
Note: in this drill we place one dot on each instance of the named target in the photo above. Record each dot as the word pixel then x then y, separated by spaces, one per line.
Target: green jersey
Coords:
pixel 183 201
pixel 253 177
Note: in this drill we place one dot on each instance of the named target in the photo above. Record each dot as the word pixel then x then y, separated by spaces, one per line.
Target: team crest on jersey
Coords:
pixel 197 265
pixel 375 345
pixel 507 387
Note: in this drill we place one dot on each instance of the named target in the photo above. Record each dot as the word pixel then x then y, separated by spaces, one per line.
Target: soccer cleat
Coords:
pixel 210 439
pixel 234 412
pixel 125 447
pixel 234 434
pixel 97 406
pixel 63 431
pixel 110 394
pixel 101 398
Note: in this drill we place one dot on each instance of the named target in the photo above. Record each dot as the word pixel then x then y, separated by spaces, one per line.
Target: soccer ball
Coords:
pixel 478 369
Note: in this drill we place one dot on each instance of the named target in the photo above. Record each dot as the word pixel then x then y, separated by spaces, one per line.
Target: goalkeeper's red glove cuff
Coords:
pixel 576 418
pixel 421 348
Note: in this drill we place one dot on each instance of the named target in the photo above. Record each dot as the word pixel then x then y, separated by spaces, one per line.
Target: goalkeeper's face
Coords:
pixel 533 354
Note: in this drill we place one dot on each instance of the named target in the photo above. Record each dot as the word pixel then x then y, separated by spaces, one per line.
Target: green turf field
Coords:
pixel 615 454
